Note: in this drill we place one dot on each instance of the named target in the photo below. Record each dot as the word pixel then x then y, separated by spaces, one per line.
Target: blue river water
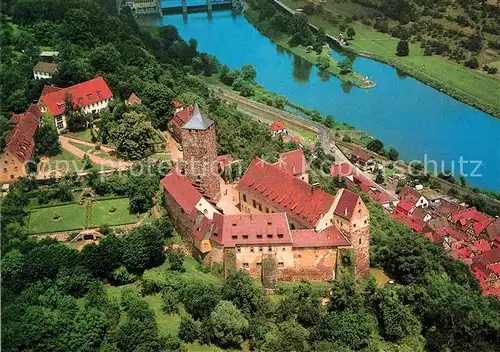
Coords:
pixel 420 122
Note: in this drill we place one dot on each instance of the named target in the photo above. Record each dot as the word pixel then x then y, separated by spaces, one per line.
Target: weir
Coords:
pixel 174 7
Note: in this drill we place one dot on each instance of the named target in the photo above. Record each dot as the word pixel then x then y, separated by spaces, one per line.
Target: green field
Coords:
pixel 470 86
pixel 101 213
pixel 74 216
pixel 84 135
pixel 71 217
pixel 83 147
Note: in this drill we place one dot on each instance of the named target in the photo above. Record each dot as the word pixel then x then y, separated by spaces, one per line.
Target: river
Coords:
pixel 419 121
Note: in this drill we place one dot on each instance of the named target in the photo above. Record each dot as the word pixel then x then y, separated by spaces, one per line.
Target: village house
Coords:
pixel 91 96
pixel 44 70
pixel 362 159
pixel 351 177
pixel 412 196
pixel 278 128
pixel 144 7
pixel 19 144
pixel 133 99
pixel 181 116
pixel 294 227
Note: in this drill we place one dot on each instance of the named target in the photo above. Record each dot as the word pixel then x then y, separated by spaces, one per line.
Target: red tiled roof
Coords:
pixel 329 237
pixel 49 89
pixel 404 207
pixel 202 229
pixel 20 142
pixel 343 169
pixel 493 256
pixel 182 117
pixel 495 268
pixel 181 189
pixel 361 154
pixel 293 162
pixel 409 195
pixel 346 204
pixel 134 99
pixel 479 227
pixel 409 221
pixel 481 246
pixel 251 229
pixel 82 94
pixel 462 216
pixel 290 194
pixel 446 208
pixel 493 230
pixel 177 104
pixel 277 126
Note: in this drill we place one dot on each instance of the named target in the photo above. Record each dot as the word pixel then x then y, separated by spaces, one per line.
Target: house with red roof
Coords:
pixel 278 128
pixel 133 99
pixel 404 208
pixel 19 144
pixel 91 97
pixel 181 117
pixel 486 268
pixel 412 196
pixel 294 163
pixel 362 159
pixel 471 221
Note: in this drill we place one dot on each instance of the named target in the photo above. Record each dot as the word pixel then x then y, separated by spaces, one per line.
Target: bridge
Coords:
pixel 169 7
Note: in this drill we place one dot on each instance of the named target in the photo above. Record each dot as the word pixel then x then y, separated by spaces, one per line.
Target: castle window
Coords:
pixel 244 197
pixel 11 177
pixel 259 237
pixel 267 210
pixel 254 203
pixel 215 234
pixel 269 223
pixel 259 264
pixel 261 249
pixel 245 237
pixel 366 221
pixel 292 226
pixel 251 249
pixel 260 207
pixel 89 96
pixel 245 265
pixel 283 249
pixel 281 264
pixel 234 237
pixel 270 236
pixel 238 249
pixel 16 168
pixel 359 210
pixel 280 235
pixel 234 224
pixel 4 170
pixel 269 249
pixel 360 241
pixel 354 225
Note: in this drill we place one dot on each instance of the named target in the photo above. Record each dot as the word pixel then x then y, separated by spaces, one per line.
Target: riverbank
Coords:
pixel 306 53
pixel 468 86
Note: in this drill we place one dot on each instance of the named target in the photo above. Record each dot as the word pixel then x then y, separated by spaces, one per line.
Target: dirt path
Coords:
pixel 65 143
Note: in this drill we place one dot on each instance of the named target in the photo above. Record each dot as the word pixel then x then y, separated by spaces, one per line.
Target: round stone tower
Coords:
pixel 199 146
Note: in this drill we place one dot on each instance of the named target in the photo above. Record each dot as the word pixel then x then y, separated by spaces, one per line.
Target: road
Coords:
pixel 323 132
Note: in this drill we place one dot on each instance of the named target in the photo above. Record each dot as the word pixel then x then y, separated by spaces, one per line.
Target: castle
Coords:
pixel 287 229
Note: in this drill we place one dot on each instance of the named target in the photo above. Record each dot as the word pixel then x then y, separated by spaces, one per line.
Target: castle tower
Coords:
pixel 359 230
pixel 199 146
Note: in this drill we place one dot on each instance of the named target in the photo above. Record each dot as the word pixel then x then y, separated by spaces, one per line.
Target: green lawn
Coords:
pixel 161 156
pixel 72 217
pixel 101 213
pixel 84 135
pixel 83 147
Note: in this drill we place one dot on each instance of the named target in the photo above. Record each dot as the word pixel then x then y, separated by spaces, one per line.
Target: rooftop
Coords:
pixel 45 67
pixel 299 199
pixel 329 237
pixel 346 204
pixel 197 120
pixel 361 154
pixel 20 142
pixel 293 162
pixel 277 126
pixel 82 94
pixel 182 190
pixel 134 99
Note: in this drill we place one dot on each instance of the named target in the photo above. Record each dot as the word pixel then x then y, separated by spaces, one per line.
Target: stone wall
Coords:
pixel 360 239
pixel 200 160
pixel 311 264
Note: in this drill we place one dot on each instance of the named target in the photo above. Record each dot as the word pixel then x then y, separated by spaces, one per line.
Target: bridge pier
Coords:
pixel 184 10
pixel 209 8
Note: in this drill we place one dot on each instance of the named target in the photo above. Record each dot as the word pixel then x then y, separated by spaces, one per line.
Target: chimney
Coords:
pixel 314 187
pixel 345 211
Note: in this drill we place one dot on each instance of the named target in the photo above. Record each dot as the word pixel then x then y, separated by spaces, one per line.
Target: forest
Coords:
pixel 55 298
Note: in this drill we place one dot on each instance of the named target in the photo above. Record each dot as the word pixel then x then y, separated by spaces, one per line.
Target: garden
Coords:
pixel 73 216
